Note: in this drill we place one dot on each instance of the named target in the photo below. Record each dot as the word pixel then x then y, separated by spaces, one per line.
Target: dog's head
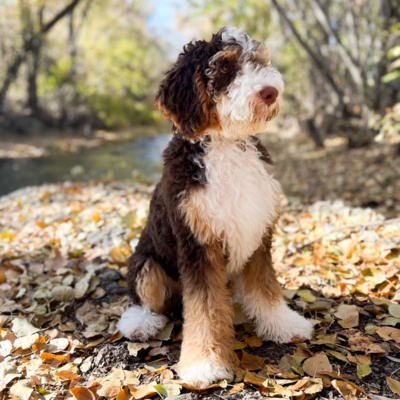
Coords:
pixel 224 87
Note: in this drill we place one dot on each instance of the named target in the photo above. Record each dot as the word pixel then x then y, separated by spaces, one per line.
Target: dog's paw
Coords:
pixel 283 325
pixel 139 323
pixel 204 373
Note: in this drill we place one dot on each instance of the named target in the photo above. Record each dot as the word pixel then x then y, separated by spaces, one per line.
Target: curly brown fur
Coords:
pixel 212 214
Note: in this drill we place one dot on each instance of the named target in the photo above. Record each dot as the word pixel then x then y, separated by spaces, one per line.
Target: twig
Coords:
pixel 342 228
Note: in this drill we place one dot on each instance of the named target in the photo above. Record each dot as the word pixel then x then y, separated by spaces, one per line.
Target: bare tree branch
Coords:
pixel 12 70
pixel 314 58
pixel 347 58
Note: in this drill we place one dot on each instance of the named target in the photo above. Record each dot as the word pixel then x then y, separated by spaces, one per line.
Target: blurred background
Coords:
pixel 78 79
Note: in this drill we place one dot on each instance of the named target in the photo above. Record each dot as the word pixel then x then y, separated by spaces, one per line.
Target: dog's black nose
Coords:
pixel 269 94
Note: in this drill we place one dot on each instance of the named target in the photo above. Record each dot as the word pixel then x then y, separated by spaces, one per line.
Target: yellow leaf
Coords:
pixel 253 341
pixel 306 295
pixel 253 379
pixel 394 385
pixel 239 345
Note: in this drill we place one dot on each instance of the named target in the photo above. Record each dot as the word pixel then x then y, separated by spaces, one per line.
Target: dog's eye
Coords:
pixel 224 68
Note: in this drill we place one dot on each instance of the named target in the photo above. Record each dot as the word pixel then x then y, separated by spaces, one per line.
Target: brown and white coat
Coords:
pixel 213 212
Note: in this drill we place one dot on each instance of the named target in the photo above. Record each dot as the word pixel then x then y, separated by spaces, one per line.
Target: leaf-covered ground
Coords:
pixel 62 290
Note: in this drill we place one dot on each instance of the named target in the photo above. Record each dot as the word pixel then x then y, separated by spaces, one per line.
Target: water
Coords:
pixel 142 156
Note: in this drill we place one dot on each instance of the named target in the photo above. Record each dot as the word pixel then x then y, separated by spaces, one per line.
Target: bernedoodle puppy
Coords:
pixel 213 213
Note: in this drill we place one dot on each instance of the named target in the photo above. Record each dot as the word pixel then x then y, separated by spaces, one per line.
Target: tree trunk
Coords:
pixel 33 70
pixel 12 70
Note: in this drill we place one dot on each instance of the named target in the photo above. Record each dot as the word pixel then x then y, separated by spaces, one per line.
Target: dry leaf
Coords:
pixel 22 389
pixel 165 334
pixel 124 394
pixel 250 362
pixel 253 379
pixel 253 341
pixel 134 348
pixel 387 333
pixel 238 345
pixel 66 375
pixel 143 391
pixel 110 388
pixel 22 327
pixel 237 387
pixel 349 316
pixel 393 385
pixel 314 366
pixel 82 393
pixel 394 310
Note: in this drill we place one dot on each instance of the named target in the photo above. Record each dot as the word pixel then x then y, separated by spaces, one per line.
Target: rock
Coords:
pixel 108 275
pixel 114 288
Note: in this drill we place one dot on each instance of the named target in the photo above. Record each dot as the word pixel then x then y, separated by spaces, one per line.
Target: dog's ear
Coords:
pixel 182 96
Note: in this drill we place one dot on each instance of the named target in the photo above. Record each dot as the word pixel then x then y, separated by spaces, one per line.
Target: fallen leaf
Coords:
pixel 62 293
pixel 237 387
pixel 387 333
pixel 250 362
pixel 253 341
pixel 117 335
pixel 134 348
pixel 22 327
pixel 143 391
pixel 363 370
pixel 159 351
pixel 26 342
pixel 58 345
pixel 315 386
pixel 82 393
pixel 165 334
pixel 253 379
pixel 169 390
pixel 393 385
pixel 61 359
pixel 349 316
pixel 124 394
pixel 314 366
pixel 22 389
pixel 338 355
pixel 239 345
pixel 110 388
pixel 86 365
pixel 306 295
pixel 394 310
pixel 66 375
pixel 344 388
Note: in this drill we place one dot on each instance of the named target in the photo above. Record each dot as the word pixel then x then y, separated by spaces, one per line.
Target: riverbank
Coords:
pixel 52 143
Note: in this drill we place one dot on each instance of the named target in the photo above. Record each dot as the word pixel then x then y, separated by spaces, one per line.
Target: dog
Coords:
pixel 212 214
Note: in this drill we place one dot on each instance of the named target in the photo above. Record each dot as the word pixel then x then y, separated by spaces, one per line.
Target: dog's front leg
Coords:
pixel 207 354
pixel 262 301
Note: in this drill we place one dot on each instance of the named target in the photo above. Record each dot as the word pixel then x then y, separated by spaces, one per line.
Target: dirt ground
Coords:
pixel 63 251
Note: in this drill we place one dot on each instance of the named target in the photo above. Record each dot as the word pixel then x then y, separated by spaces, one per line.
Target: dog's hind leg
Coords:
pixel 152 292
pixel 262 301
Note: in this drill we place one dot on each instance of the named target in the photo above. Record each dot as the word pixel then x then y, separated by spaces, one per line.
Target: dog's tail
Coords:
pixel 140 323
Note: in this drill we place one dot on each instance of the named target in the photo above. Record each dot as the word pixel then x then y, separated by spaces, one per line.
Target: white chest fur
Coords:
pixel 241 199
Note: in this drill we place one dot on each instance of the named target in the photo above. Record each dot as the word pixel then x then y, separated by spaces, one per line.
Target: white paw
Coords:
pixel 203 374
pixel 282 325
pixel 139 323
